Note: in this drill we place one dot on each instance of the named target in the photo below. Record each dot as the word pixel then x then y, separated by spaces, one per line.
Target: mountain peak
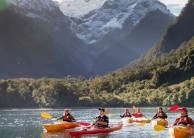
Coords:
pixel 112 15
pixel 36 8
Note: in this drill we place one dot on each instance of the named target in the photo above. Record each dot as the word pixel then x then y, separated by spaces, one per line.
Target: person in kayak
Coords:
pixel 126 114
pixel 102 120
pixel 66 116
pixel 183 119
pixel 160 114
pixel 138 113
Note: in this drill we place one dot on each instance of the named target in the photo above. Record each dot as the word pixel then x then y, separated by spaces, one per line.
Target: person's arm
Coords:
pixel 164 115
pixel 122 116
pixel 155 116
pixel 60 118
pixel 102 123
pixel 191 121
pixel 176 122
pixel 72 118
pixel 95 121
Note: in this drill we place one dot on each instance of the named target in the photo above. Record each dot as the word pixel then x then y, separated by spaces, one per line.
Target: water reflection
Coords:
pixel 65 134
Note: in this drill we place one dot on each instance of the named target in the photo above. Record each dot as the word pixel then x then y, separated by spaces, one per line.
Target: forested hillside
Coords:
pixel 180 31
pixel 166 81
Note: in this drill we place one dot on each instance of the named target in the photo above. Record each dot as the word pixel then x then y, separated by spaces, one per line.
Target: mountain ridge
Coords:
pixel 172 38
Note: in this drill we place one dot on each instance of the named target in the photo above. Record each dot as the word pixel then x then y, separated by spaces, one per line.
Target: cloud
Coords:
pixel 175 6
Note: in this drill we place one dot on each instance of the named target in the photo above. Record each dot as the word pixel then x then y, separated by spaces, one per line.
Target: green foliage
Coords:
pixel 164 82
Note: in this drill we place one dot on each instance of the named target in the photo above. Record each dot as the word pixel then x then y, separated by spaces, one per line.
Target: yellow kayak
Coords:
pixel 57 126
pixel 159 121
pixel 127 120
pixel 180 132
pixel 140 119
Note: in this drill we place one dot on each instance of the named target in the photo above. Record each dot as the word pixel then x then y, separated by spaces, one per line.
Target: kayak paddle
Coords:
pixel 136 115
pixel 111 115
pixel 107 111
pixel 135 108
pixel 173 108
pixel 47 115
pixel 146 121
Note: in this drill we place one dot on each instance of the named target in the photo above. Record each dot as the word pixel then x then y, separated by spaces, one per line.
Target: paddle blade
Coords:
pixel 106 111
pixel 45 115
pixel 135 108
pixel 173 108
pixel 158 128
pixel 111 115
pixel 83 123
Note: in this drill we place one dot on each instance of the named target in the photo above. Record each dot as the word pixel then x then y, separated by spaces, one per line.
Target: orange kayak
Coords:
pixel 180 132
pixel 159 121
pixel 57 126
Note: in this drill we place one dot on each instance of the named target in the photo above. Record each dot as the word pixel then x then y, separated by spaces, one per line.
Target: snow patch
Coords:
pixel 107 15
pixel 114 23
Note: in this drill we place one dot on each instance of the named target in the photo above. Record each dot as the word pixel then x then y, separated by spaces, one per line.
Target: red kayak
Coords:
pixel 95 130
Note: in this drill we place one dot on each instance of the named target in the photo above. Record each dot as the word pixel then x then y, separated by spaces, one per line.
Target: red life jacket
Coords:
pixel 183 120
pixel 66 118
pixel 140 114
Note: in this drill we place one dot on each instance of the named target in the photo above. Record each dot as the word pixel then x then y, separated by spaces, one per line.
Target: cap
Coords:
pixel 101 109
pixel 184 109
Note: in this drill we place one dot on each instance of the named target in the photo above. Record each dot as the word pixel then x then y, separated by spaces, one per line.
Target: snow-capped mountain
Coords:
pixel 43 9
pixel 110 16
pixel 109 29
pixel 36 40
pixel 78 8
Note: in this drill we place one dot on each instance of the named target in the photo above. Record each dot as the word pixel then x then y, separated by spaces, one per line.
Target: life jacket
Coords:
pixel 158 114
pixel 103 118
pixel 183 120
pixel 67 118
pixel 140 114
pixel 127 115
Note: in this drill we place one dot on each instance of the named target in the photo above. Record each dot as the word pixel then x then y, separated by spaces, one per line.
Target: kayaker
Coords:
pixel 102 120
pixel 138 113
pixel 126 114
pixel 67 116
pixel 160 114
pixel 183 119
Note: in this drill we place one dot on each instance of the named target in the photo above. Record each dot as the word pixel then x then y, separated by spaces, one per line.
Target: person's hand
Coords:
pixel 95 123
pixel 188 125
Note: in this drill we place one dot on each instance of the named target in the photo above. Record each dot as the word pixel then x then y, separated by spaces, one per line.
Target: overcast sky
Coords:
pixel 175 6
